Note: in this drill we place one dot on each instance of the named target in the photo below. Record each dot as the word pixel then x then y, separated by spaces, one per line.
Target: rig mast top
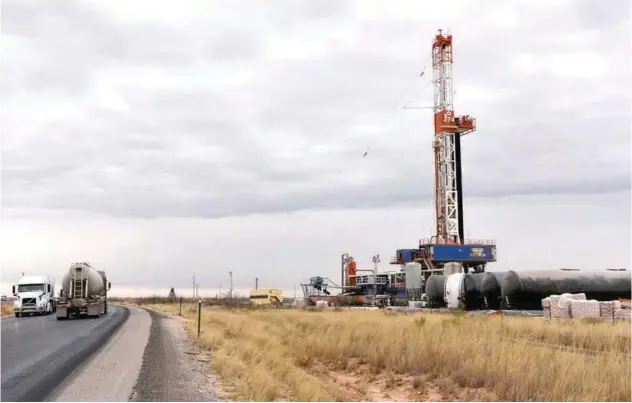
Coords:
pixel 448 129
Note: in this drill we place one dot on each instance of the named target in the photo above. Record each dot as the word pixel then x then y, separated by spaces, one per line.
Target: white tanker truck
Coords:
pixel 84 292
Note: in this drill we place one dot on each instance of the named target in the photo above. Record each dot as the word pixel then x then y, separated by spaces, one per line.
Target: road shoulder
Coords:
pixel 110 375
pixel 174 367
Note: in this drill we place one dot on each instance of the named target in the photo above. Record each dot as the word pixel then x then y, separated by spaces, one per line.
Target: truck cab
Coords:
pixel 34 295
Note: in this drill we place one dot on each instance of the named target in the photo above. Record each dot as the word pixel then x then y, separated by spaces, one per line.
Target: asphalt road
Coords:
pixel 38 353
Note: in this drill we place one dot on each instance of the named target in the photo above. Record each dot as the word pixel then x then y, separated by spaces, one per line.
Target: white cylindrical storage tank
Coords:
pixel 453 292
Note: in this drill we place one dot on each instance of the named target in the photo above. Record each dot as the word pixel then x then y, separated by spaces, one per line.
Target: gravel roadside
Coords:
pixel 174 368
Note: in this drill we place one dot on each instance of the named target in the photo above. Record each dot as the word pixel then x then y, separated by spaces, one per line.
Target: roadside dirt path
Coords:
pixel 174 368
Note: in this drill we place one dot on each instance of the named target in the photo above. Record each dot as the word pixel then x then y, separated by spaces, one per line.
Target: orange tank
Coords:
pixel 352 272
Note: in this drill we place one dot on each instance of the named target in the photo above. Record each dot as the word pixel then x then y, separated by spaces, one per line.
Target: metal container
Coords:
pixel 413 276
pixel 526 289
pixel 490 288
pixel 435 287
pixel 463 253
pixel 406 255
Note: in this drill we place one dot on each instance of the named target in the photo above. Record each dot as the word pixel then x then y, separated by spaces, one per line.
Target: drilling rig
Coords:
pixel 448 245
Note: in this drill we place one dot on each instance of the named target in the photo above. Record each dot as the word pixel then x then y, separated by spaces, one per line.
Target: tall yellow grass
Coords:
pixel 6 308
pixel 271 354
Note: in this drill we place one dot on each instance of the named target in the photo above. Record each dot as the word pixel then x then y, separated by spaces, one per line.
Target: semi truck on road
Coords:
pixel 34 296
pixel 84 292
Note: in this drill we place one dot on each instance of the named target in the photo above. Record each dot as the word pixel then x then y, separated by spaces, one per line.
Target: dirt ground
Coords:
pixel 362 383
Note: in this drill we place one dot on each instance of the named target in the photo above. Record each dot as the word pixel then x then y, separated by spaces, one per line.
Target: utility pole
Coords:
pixel 231 284
pixel 256 283
pixel 376 260
pixel 194 285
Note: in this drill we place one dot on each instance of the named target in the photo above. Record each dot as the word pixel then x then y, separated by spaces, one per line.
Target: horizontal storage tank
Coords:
pixel 462 291
pixel 526 289
pixel 435 286
pixel 473 295
pixel 490 288
pixel 453 290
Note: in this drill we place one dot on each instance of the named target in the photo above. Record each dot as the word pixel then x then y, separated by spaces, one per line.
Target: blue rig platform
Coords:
pixel 432 255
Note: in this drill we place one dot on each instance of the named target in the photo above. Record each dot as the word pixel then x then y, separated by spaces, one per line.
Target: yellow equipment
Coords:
pixel 266 296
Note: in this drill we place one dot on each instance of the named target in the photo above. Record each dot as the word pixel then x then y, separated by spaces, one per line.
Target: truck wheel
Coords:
pixel 17 314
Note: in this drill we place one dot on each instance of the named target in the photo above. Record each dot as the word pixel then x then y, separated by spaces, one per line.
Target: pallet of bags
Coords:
pixel 581 309
pixel 624 311
pixel 561 309
pixel 608 309
pixel 554 308
pixel 546 307
pixel 623 314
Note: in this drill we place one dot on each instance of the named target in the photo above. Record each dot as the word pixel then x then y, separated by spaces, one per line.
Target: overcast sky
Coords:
pixel 157 139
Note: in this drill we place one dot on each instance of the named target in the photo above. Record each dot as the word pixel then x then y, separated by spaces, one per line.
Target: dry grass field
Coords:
pixel 301 355
pixel 6 308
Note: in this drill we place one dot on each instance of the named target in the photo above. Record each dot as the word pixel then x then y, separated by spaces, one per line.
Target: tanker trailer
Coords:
pixel 83 292
pixel 526 289
pixel 462 290
pixel 490 288
pixel 435 289
pixel 105 291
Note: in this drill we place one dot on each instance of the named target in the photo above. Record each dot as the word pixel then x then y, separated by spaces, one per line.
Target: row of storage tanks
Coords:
pixel 523 289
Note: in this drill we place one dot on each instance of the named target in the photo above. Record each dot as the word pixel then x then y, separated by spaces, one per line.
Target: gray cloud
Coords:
pixel 250 108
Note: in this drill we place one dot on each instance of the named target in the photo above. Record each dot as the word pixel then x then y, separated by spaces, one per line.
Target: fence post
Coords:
pixel 180 306
pixel 502 314
pixel 199 316
pixel 613 308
